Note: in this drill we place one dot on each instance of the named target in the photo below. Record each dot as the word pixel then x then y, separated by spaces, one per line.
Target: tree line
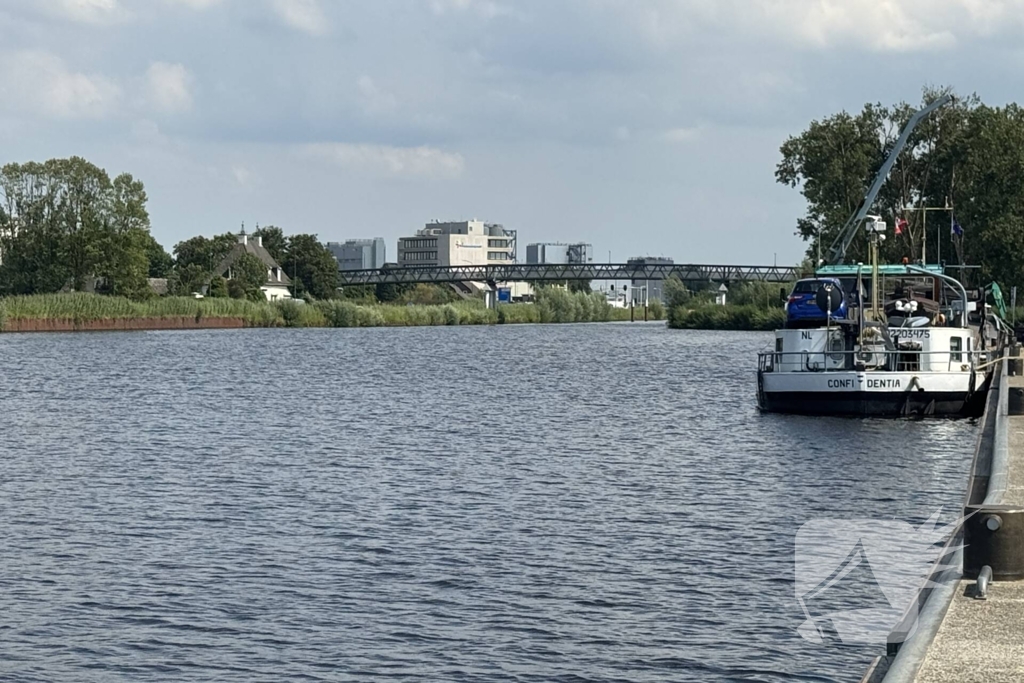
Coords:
pixel 966 160
pixel 65 225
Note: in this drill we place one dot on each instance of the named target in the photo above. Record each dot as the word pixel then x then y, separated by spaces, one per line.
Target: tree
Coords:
pixel 579 286
pixel 311 266
pixel 186 280
pixel 219 288
pixel 160 262
pixel 236 290
pixel 204 252
pixel 835 160
pixel 251 273
pixel 124 263
pixel 967 154
pixel 64 222
pixel 391 292
pixel 274 241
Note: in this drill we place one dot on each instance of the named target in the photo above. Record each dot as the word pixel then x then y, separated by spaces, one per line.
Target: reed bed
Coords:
pixel 553 306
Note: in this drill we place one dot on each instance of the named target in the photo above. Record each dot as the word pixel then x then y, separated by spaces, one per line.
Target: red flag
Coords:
pixel 901 225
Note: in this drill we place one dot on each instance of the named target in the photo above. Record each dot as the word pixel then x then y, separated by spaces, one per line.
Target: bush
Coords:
pixel 729 317
pixel 516 314
pixel 296 314
pixel 657 310
pixel 219 288
pixel 556 305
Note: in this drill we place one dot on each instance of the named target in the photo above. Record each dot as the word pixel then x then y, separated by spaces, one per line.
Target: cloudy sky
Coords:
pixel 642 126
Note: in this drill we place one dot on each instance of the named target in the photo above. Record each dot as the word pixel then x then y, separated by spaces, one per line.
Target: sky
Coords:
pixel 645 127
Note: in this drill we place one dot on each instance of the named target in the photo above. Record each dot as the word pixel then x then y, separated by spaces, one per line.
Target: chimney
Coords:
pixel 259 240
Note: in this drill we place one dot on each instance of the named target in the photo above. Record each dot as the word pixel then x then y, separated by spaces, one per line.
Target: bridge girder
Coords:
pixel 522 272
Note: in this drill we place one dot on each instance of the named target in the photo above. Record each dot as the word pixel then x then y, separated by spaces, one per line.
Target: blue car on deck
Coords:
pixel 802 307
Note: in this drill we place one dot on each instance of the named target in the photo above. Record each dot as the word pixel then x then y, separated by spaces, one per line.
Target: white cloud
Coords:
pixel 241 174
pixel 867 25
pixel 302 15
pixel 41 83
pixel 168 87
pixel 488 9
pixel 373 99
pixel 388 160
pixel 194 4
pixel 90 11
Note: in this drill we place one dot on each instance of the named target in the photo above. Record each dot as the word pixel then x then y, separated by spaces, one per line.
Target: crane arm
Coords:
pixel 837 253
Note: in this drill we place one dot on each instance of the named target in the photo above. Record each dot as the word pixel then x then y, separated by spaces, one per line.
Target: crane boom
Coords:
pixel 837 253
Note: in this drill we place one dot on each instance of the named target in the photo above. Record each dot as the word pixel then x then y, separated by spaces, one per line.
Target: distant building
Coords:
pixel 359 254
pixel 557 253
pixel 276 286
pixel 463 243
pixel 654 287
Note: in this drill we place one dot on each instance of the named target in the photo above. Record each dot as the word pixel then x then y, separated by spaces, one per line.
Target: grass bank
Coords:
pixel 555 306
pixel 731 317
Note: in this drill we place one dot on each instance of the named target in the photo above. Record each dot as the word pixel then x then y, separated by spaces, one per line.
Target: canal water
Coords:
pixel 537 503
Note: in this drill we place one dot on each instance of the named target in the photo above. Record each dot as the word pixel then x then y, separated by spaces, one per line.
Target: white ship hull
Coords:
pixel 852 392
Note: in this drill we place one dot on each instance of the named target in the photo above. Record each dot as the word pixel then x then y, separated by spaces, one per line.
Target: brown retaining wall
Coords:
pixel 122 324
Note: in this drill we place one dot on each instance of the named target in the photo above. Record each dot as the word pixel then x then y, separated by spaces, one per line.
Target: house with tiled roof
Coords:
pixel 276 287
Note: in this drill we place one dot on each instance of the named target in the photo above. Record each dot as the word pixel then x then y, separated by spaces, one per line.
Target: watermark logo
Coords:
pixel 857 579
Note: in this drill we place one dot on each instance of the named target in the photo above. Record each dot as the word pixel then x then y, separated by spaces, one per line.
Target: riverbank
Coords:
pixel 92 312
pixel 749 318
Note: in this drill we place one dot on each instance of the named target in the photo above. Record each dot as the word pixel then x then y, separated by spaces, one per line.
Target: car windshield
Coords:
pixel 808 286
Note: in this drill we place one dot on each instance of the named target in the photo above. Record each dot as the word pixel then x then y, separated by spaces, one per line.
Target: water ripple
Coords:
pixel 559 503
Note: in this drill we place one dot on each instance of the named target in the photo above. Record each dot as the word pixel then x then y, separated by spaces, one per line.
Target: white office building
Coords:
pixel 462 243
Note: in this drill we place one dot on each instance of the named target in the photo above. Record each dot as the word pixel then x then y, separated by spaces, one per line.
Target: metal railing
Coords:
pixel 899 360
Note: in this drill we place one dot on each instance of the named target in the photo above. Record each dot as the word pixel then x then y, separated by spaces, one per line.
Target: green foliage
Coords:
pixel 207 253
pixel 219 288
pixel 298 314
pixel 559 306
pixel 967 153
pixel 711 317
pixel 311 266
pixel 758 294
pixel 236 290
pixel 64 223
pixel 160 262
pixel 390 293
pixel 250 271
pixel 187 280
pixel 675 292
pixel 362 294
pixel 579 286
pixel 82 306
pixel 428 295
pixel 518 314
pixel 657 310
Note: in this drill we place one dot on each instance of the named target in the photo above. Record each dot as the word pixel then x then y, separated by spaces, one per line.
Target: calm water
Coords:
pixel 559 503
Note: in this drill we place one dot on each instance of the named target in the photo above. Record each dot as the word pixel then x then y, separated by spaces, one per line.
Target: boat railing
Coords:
pixel 900 360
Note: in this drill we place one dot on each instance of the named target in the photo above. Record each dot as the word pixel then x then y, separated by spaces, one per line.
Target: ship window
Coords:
pixel 956 345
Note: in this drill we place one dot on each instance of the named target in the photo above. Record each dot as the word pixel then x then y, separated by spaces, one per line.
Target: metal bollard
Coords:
pixel 994 536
